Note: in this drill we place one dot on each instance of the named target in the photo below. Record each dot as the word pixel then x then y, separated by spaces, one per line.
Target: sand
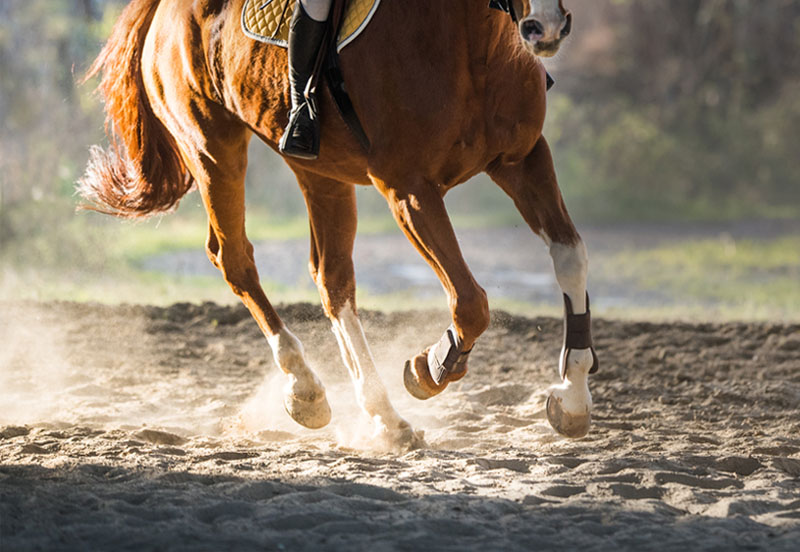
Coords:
pixel 143 428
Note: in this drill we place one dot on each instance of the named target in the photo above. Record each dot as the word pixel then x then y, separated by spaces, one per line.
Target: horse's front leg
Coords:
pixel 533 186
pixel 419 210
pixel 332 215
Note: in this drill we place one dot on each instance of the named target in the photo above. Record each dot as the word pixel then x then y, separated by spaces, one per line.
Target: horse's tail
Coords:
pixel 141 173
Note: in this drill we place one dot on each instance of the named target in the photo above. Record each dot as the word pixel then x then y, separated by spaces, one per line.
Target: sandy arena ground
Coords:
pixel 136 428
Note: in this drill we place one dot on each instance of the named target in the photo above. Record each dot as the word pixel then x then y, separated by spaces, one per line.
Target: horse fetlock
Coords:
pixel 307 388
pixel 447 360
pixel 471 314
pixel 397 435
pixel 287 351
pixel 576 364
pixel 577 350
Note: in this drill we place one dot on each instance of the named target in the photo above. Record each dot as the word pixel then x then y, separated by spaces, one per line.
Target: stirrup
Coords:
pixel 301 137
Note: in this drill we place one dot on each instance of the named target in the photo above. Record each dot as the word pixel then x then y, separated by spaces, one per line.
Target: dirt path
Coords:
pixel 148 428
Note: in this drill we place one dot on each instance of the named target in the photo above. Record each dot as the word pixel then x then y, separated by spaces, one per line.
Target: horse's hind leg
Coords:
pixel 332 214
pixel 533 186
pixel 219 169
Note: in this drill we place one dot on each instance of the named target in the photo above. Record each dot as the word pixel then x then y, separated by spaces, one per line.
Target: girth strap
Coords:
pixel 335 79
pixel 577 334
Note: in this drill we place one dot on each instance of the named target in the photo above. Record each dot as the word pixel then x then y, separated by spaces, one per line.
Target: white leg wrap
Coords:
pixel 571 264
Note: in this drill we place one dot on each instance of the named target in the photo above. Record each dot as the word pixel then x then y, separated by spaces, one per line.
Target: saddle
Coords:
pixel 268 20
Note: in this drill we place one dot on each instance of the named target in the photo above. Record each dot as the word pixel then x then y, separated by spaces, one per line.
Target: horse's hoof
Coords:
pixel 568 424
pixel 314 413
pixel 412 440
pixel 400 439
pixel 418 380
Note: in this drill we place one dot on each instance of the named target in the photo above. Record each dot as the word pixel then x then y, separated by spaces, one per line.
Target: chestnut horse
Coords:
pixel 444 91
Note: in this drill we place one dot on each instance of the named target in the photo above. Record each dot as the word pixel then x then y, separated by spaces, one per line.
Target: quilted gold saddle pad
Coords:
pixel 268 20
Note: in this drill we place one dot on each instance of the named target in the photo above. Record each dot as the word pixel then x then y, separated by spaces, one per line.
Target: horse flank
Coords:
pixel 141 173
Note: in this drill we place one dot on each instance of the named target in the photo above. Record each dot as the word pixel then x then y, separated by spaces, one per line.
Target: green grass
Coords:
pixel 744 279
pixel 88 257
pixel 187 229
pixel 129 285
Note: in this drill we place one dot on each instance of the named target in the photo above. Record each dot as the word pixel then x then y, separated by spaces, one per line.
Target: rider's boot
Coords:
pixel 301 137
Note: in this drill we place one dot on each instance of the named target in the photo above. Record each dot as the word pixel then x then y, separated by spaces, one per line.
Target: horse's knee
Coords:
pixel 471 314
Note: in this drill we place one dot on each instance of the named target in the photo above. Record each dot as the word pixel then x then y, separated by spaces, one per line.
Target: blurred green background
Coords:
pixel 671 118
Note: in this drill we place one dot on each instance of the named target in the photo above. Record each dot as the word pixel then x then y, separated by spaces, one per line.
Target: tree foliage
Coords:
pixel 47 121
pixel 687 107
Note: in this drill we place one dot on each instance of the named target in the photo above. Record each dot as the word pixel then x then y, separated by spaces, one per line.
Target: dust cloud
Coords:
pixel 52 372
pixel 35 377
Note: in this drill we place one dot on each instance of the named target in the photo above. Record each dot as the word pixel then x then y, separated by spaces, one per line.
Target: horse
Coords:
pixel 443 90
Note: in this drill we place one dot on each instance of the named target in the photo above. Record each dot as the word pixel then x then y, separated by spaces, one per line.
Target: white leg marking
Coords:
pixel 370 391
pixel 571 264
pixel 304 395
pixel 572 396
pixel 290 358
